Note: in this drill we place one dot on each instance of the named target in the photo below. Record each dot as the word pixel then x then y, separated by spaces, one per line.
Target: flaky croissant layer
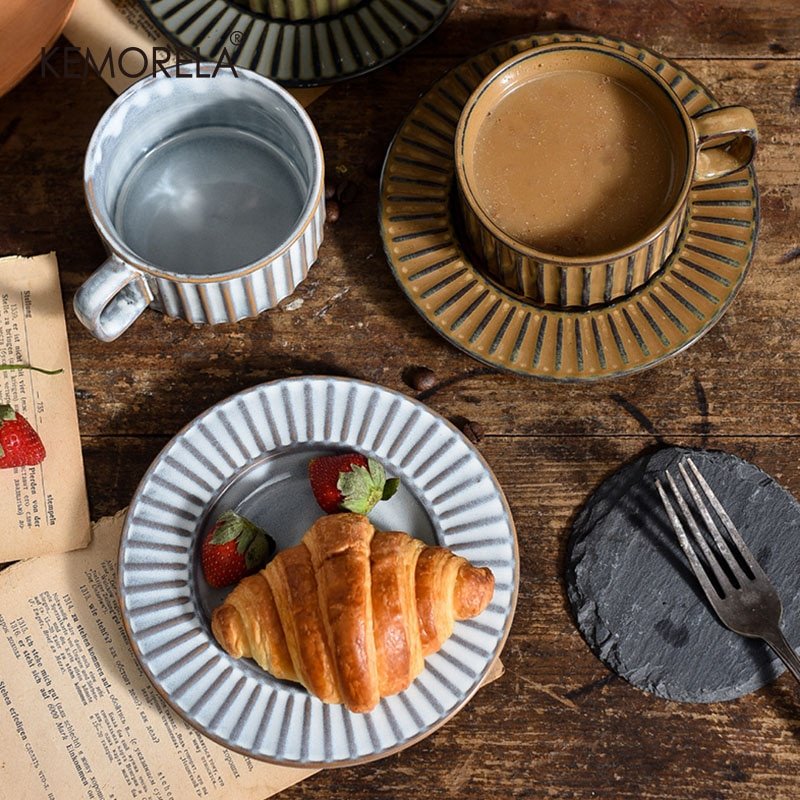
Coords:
pixel 351 612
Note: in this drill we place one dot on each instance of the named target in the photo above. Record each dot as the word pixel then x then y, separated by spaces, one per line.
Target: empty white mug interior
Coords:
pixel 208 193
pixel 201 176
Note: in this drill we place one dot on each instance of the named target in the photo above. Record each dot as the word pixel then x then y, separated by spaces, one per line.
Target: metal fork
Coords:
pixel 734 583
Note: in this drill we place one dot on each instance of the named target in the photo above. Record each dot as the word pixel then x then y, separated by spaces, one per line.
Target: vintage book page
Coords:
pixel 78 718
pixel 98 25
pixel 43 509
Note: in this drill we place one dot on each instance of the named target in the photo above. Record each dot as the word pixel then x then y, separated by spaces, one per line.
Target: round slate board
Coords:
pixel 639 606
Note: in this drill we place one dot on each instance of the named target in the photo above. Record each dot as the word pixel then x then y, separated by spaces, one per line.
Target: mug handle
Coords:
pixel 726 141
pixel 112 299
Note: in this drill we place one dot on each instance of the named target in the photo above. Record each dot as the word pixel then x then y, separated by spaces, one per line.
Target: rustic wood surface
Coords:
pixel 558 724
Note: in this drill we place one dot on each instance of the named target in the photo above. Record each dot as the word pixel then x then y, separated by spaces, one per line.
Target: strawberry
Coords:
pixel 20 445
pixel 233 548
pixel 349 482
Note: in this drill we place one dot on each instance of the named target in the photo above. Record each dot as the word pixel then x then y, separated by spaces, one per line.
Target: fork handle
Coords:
pixel 777 641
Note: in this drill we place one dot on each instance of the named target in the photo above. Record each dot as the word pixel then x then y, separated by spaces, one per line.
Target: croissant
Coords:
pixel 351 613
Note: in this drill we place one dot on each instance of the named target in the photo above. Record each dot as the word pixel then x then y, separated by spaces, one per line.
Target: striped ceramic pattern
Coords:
pixel 553 284
pixel 150 112
pixel 309 53
pixel 299 9
pixel 245 295
pixel 229 700
pixel 423 242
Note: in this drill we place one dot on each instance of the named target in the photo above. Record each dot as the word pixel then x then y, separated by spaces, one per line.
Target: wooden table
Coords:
pixel 558 724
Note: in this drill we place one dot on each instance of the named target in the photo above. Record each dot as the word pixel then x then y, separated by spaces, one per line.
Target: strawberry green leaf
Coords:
pixel 232 526
pixel 256 554
pixel 249 533
pixel 7 414
pixel 363 487
pixel 359 490
pixel 376 471
pixel 390 489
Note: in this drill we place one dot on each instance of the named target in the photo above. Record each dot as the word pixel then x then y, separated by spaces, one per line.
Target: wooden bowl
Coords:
pixel 27 26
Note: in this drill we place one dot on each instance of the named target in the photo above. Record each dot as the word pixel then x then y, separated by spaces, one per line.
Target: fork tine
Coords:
pixel 722 545
pixel 698 569
pixel 712 563
pixel 744 550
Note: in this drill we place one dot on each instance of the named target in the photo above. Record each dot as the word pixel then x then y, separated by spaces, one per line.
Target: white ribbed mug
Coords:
pixel 212 244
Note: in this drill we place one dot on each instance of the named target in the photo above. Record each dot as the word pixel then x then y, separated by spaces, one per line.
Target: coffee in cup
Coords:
pixel 574 164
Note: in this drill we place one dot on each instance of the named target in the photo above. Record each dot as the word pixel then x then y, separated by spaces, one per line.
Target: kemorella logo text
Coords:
pixel 132 62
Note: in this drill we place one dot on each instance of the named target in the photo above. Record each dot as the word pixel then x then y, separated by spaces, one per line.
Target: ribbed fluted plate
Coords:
pixel 297 54
pixel 250 452
pixel 426 249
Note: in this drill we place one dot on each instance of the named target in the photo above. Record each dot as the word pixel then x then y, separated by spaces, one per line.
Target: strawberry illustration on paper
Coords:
pixel 20 444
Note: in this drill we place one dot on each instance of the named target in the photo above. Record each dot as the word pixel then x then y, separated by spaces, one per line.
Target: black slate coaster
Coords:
pixel 636 601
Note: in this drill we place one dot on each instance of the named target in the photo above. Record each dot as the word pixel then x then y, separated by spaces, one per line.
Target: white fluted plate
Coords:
pixel 250 452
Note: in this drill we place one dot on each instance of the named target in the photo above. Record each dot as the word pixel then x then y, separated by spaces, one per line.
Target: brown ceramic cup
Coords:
pixel 702 148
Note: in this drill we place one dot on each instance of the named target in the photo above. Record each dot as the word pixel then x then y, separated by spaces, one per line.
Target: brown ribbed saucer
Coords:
pixel 429 255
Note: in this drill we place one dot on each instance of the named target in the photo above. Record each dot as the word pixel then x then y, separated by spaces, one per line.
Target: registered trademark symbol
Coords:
pixel 236 37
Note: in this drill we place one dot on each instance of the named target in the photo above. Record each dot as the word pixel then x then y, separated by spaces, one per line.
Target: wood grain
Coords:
pixel 557 724
pixel 353 318
pixel 683 28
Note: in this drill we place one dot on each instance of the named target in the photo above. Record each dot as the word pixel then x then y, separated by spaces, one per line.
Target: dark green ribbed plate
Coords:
pixel 300 53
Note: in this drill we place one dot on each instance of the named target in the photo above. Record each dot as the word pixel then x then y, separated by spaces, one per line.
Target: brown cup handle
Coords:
pixel 726 141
